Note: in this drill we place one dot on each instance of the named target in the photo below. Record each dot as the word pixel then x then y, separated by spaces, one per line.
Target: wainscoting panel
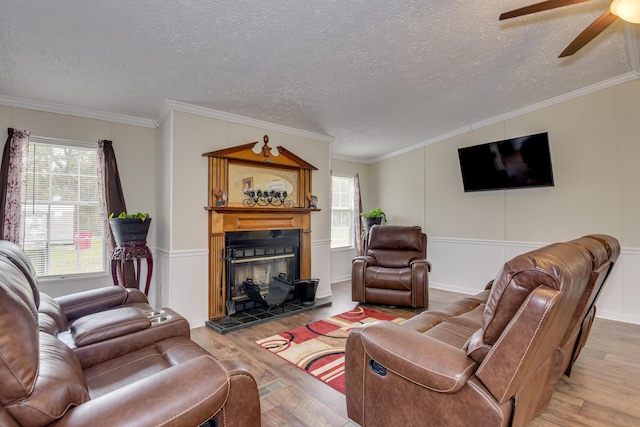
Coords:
pixel 321 266
pixel 161 274
pixel 463 265
pixel 183 284
pixel 341 264
pixel 620 299
pixel 466 265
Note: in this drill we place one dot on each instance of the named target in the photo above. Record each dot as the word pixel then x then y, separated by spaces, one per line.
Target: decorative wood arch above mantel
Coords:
pixel 231 170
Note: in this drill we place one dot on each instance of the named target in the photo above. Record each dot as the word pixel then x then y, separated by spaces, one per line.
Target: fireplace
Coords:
pixel 259 256
pixel 252 239
pixel 268 257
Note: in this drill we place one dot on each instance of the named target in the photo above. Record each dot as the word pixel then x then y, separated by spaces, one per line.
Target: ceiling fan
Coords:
pixel 627 10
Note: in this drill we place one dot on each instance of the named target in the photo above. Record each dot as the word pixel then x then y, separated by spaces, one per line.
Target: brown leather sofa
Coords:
pixel 108 361
pixel 604 253
pixel 394 270
pixel 491 359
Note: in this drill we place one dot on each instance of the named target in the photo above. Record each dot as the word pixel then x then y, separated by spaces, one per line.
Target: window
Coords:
pixel 341 212
pixel 61 218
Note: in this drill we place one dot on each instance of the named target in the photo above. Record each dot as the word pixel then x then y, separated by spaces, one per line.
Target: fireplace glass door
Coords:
pixel 260 256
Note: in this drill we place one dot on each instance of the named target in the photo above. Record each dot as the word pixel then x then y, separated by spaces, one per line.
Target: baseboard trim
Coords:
pixel 449 288
pixel 340 279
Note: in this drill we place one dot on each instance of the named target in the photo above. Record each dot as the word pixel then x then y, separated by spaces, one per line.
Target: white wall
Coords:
pixel 397 186
pixel 135 152
pixel 594 149
pixel 194 135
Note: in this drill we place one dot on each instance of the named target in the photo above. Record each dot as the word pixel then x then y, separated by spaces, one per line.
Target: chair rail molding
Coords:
pixel 481 260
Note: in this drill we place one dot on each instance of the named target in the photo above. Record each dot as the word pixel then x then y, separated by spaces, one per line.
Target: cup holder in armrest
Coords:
pixel 154 313
pixel 159 319
pixel 157 316
pixel 164 316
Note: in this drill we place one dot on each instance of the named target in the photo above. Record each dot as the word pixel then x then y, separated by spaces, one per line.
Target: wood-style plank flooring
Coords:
pixel 603 390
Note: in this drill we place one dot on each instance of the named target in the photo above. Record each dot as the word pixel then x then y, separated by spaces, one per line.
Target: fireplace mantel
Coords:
pixel 261 211
pixel 227 215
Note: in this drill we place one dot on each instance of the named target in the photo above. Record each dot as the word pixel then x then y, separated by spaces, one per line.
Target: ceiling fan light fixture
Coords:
pixel 627 10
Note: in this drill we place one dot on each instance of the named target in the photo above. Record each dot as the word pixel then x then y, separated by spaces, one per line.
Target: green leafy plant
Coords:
pixel 124 215
pixel 376 213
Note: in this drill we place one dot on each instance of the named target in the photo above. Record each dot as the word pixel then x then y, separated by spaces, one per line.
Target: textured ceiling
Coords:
pixel 377 75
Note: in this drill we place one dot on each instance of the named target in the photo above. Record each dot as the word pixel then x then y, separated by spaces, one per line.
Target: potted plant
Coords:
pixel 369 219
pixel 130 227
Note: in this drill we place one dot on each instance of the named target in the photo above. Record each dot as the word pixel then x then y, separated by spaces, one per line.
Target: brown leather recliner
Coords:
pixel 147 377
pixel 491 359
pixel 98 324
pixel 604 251
pixel 394 270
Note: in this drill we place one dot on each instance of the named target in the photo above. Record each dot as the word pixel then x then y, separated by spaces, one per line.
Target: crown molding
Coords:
pixel 349 158
pixel 170 105
pixel 632 44
pixel 164 111
pixel 413 147
pixel 558 99
pixel 52 107
pixel 632 75
pixel 167 107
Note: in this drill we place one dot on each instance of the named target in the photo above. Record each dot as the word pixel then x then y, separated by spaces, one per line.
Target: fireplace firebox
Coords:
pixel 259 256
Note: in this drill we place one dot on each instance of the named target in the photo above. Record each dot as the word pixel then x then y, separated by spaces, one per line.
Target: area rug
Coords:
pixel 318 348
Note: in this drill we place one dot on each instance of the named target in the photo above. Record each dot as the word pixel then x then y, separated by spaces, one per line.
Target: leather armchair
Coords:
pixel 149 379
pixel 491 359
pixel 78 304
pixel 98 324
pixel 394 270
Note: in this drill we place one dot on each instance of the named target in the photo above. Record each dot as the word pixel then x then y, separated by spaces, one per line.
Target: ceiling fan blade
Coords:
pixel 589 33
pixel 539 7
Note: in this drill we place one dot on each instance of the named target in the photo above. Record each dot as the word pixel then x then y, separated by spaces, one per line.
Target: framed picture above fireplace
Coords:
pixel 243 177
pixel 254 176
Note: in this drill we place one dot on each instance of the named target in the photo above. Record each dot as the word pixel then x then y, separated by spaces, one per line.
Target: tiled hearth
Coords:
pixel 261 314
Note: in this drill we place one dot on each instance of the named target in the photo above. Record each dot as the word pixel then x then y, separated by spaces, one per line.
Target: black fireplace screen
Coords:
pixel 260 256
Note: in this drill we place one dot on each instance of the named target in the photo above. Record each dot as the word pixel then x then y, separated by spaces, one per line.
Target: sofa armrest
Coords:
pixel 80 304
pixel 420 358
pixel 365 259
pixel 109 324
pixel 420 269
pixel 417 263
pixel 185 394
pixel 165 323
pixel 358 269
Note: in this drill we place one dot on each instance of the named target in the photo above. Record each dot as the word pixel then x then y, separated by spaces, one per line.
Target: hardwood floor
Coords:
pixel 603 390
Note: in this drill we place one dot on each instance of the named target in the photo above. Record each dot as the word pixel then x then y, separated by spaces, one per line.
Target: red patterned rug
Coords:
pixel 318 348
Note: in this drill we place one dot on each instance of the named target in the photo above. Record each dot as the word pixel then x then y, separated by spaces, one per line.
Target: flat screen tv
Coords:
pixel 511 163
